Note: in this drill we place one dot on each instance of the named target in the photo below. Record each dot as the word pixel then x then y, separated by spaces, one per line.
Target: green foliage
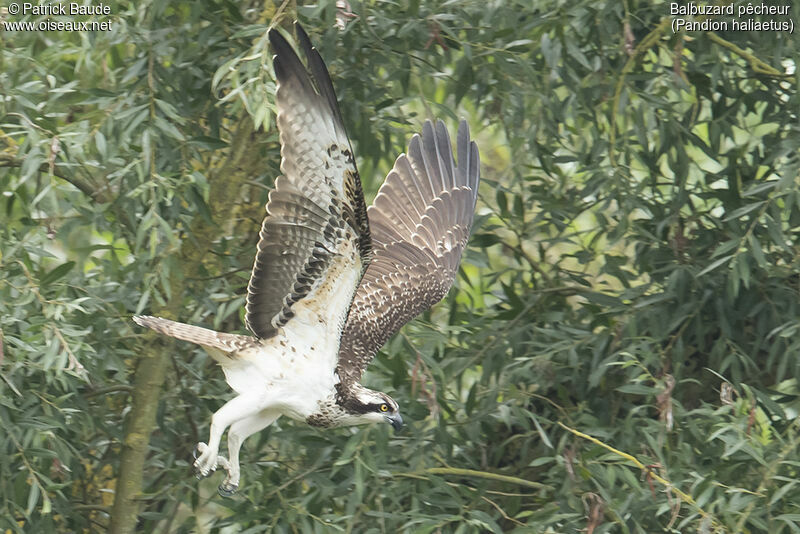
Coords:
pixel 620 352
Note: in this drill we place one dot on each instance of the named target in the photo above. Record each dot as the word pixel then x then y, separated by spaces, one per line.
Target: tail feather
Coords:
pixel 228 343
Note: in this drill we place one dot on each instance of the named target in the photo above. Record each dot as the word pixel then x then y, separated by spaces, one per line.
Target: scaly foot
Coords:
pixel 208 461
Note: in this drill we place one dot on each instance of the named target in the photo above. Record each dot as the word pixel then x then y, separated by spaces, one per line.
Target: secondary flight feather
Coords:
pixel 332 280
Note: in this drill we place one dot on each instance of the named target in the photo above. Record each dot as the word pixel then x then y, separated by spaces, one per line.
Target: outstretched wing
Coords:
pixel 420 222
pixel 316 224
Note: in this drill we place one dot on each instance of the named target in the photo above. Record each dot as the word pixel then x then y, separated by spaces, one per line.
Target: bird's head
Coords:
pixel 364 405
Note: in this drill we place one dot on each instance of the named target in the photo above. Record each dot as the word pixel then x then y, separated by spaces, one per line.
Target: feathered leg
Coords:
pixel 240 431
pixel 236 409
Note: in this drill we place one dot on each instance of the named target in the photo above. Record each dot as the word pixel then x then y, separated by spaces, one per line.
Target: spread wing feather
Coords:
pixel 316 214
pixel 419 223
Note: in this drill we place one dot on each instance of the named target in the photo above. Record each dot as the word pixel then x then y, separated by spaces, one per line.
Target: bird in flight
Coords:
pixel 332 280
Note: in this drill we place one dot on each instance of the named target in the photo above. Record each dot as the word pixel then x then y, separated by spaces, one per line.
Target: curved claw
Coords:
pixel 199 474
pixel 197 454
pixel 227 490
pixel 198 450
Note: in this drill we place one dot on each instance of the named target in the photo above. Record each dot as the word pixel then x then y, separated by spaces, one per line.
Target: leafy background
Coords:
pixel 619 354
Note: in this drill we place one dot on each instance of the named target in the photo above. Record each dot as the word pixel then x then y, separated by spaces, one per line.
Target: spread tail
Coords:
pixel 228 343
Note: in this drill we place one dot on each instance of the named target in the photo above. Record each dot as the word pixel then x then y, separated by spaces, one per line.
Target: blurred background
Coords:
pixel 620 352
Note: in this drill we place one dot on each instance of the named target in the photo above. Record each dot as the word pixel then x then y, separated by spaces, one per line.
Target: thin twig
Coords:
pixel 767 478
pixel 502 512
pixel 644 45
pixel 758 66
pixel 74 364
pixel 474 473
pixel 109 389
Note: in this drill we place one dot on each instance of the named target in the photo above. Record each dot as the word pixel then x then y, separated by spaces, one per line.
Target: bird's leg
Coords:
pixel 240 431
pixel 235 409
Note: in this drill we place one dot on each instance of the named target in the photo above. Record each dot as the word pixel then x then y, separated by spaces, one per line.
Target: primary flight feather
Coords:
pixel 332 280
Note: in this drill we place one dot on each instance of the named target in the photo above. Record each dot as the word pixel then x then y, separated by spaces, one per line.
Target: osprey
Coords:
pixel 332 280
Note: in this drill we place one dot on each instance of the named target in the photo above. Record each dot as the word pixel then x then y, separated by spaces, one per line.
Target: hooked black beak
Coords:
pixel 395 420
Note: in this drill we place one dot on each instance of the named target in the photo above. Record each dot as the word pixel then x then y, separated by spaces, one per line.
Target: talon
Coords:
pixel 227 490
pixel 201 473
pixel 201 464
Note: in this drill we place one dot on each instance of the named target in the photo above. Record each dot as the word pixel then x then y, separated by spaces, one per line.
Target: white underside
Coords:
pixel 289 374
pixel 292 377
pixel 295 369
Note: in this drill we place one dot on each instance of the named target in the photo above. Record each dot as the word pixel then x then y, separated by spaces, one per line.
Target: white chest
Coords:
pixel 297 366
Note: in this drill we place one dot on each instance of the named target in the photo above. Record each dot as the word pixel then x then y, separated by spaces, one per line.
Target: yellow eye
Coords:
pixel 384 408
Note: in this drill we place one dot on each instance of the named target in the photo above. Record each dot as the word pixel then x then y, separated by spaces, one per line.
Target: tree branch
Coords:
pixel 455 471
pixel 644 45
pixel 758 66
pixel 226 183
pixel 99 195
